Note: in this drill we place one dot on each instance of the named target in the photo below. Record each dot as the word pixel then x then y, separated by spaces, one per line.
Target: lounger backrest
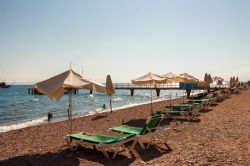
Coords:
pixel 152 123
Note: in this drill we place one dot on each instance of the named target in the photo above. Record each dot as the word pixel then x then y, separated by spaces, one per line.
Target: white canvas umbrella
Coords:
pixel 189 78
pixel 93 85
pixel 173 78
pixel 218 80
pixel 55 87
pixel 151 79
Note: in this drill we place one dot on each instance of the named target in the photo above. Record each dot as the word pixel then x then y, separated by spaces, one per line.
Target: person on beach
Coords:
pixel 104 106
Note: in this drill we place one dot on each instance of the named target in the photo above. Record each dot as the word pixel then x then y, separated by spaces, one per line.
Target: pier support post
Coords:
pixel 158 92
pixel 188 93
pixel 91 92
pixel 132 92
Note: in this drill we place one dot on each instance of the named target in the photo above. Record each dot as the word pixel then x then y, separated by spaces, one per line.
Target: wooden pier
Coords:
pixel 159 87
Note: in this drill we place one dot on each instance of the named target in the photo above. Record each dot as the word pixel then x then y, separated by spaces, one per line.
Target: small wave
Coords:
pixel 117 99
pixel 99 109
pixel 23 124
pixel 91 95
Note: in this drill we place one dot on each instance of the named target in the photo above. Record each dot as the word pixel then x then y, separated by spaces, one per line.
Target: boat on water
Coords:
pixel 3 85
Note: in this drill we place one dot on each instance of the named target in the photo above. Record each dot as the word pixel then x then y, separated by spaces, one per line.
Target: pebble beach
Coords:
pixel 219 136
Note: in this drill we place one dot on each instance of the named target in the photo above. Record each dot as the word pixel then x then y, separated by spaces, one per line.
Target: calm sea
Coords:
pixel 18 109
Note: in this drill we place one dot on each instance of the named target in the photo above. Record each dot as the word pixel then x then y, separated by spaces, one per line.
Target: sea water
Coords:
pixel 19 109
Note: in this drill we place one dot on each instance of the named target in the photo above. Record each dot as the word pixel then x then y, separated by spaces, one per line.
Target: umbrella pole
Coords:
pixel 170 97
pixel 151 100
pixel 70 110
pixel 110 102
pixel 183 95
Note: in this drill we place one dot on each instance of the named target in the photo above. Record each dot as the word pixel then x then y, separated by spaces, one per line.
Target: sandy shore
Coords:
pixel 220 137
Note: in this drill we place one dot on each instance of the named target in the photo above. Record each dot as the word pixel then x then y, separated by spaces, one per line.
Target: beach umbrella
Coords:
pixel 150 79
pixel 55 87
pixel 110 90
pixel 174 78
pixel 189 77
pixel 218 80
pixel 93 85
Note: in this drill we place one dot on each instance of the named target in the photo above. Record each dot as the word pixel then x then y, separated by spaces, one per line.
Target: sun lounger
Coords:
pixel 189 110
pixel 204 103
pixel 100 141
pixel 151 129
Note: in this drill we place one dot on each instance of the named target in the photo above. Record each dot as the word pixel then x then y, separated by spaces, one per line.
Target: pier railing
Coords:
pixel 133 86
pixel 159 86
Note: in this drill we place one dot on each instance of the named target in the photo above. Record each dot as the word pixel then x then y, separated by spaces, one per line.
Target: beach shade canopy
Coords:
pixel 218 80
pixel 150 79
pixel 170 75
pixel 55 87
pixel 110 90
pixel 189 77
pixel 93 85
pixel 174 78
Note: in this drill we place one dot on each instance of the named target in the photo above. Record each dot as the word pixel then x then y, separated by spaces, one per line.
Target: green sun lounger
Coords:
pixel 100 141
pixel 204 103
pixel 189 110
pixel 150 128
pixel 180 107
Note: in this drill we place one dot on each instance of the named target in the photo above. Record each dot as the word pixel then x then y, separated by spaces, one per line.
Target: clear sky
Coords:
pixel 123 38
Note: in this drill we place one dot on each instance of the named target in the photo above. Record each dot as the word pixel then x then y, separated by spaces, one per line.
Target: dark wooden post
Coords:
pixel 132 91
pixel 158 91
pixel 188 93
pixel 90 92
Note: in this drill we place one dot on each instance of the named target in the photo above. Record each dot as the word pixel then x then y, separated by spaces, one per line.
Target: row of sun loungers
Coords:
pixel 190 109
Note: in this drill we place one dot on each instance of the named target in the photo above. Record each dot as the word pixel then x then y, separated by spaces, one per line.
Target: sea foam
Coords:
pixel 23 124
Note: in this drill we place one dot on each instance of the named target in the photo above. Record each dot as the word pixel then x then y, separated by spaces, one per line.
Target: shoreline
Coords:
pixel 44 120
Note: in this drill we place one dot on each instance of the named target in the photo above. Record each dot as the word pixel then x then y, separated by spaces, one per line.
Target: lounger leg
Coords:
pixel 68 141
pixel 115 154
pixel 133 144
pixel 117 149
pixel 141 144
pixel 150 142
pixel 104 152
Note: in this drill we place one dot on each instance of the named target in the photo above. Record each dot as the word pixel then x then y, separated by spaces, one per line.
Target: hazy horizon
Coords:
pixel 125 39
